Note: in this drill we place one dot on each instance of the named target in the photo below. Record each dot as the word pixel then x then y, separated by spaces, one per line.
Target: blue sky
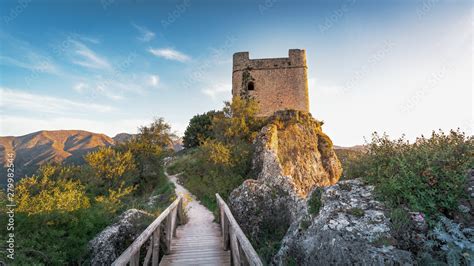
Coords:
pixel 110 66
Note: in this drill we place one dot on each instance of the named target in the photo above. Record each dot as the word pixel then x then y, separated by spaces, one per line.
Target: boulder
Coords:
pixel 349 228
pixel 114 239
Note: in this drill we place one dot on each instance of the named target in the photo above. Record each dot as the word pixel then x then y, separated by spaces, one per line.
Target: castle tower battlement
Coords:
pixel 275 83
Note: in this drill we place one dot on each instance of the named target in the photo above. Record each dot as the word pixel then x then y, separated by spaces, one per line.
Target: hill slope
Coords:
pixel 40 147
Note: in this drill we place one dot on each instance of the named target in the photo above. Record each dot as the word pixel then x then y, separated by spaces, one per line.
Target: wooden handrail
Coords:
pixel 242 252
pixel 154 233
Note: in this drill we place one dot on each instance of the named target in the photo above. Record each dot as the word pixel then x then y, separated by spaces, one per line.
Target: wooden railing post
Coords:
pixel 168 234
pixel 225 230
pixel 181 215
pixel 155 258
pixel 234 248
pixel 135 258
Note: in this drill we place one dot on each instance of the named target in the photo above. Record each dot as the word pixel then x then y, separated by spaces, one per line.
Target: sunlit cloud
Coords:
pixel 146 35
pixel 170 54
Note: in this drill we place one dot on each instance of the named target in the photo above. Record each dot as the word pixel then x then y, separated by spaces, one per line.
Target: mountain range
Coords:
pixel 59 146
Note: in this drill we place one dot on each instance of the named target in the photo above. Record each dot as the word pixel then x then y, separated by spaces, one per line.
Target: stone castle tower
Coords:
pixel 275 83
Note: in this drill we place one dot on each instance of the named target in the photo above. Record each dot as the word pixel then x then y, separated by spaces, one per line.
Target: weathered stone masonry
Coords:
pixel 276 83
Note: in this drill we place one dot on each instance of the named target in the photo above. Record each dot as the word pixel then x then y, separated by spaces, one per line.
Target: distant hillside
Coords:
pixel 352 148
pixel 40 147
pixel 123 137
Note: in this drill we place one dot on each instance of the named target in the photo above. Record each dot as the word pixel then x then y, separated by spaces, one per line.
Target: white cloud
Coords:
pixel 80 87
pixel 217 90
pixel 117 87
pixel 36 63
pixel 22 125
pixel 85 57
pixel 170 54
pixel 153 80
pixel 46 104
pixel 146 34
pixel 26 56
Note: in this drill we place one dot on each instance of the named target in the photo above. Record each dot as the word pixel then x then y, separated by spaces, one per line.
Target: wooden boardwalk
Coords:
pixel 199 241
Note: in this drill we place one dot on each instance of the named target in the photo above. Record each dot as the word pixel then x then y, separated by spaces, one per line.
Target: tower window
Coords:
pixel 250 86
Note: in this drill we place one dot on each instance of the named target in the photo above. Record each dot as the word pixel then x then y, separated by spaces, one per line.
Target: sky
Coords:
pixel 110 66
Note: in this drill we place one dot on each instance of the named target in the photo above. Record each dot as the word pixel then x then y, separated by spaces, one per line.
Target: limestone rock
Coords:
pixel 350 229
pixel 293 145
pixel 114 239
pixel 292 157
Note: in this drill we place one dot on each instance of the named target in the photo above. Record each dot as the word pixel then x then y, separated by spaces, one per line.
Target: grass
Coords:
pixel 357 212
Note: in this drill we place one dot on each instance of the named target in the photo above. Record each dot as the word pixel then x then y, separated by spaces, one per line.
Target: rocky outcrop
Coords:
pixel 114 239
pixel 294 200
pixel 292 156
pixel 350 228
pixel 293 145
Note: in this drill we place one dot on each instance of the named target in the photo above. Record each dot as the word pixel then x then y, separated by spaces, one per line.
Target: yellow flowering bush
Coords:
pixel 43 194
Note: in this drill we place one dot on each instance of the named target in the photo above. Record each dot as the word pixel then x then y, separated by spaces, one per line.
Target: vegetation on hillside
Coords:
pixel 62 207
pixel 223 159
pixel 428 176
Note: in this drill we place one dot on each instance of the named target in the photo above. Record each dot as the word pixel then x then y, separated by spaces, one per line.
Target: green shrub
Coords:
pixel 428 175
pixel 314 202
pixel 57 238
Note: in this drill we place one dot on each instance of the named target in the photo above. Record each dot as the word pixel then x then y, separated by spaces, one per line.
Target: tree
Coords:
pixel 238 121
pixel 148 148
pixel 110 167
pixel 199 129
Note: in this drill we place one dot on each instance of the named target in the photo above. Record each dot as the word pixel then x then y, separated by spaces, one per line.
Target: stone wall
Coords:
pixel 278 83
